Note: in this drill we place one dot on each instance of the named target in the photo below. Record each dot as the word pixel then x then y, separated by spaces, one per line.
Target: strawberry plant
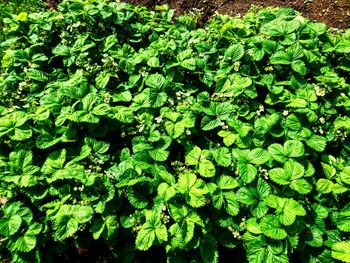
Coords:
pixel 120 125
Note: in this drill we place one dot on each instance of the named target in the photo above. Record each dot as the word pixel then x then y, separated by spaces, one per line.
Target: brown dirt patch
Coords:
pixel 335 13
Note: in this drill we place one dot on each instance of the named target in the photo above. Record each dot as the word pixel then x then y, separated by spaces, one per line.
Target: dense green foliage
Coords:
pixel 9 7
pixel 127 126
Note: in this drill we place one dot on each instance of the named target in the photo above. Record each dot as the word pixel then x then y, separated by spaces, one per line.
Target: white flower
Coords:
pixel 158 119
pixel 188 132
pixel 322 120
pixel 320 91
pixel 285 113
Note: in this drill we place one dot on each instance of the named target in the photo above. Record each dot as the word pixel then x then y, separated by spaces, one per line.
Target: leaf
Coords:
pixel 299 66
pixel 293 122
pixel 194 189
pixel 192 157
pixel 151 230
pixel 341 251
pixel 9 227
pixel 324 186
pixel 206 168
pixel 153 62
pixel 25 243
pixel 159 155
pixel 301 186
pixel 259 156
pixel 156 81
pixel 231 204
pixel 145 239
pixel 222 156
pixel 317 143
pixel 247 172
pixel 294 148
pixel 37 75
pixel 189 64
pixel 14 125
pixel 54 162
pixel 123 114
pixel 278 152
pixel 234 52
pixel 342 219
pixel 293 170
pixel 278 176
pixel 208 250
pixel 345 175
pixel 246 196
pixel 68 218
pixel 226 182
pixel 271 227
pixel 208 123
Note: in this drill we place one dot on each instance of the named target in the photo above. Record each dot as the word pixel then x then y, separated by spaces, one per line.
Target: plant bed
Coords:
pixel 127 135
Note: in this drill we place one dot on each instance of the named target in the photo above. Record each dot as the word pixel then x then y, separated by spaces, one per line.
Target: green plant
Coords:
pixel 14 7
pixel 120 124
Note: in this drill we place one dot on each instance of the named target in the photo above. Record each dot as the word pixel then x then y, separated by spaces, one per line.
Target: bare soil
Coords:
pixel 335 13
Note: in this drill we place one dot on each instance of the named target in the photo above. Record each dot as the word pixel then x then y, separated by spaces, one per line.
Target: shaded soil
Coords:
pixel 335 13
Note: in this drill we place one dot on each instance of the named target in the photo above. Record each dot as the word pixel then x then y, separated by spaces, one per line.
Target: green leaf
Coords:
pixel 222 156
pixel 189 64
pixel 293 122
pixel 278 152
pixel 194 189
pixel 9 227
pixel 345 175
pixel 301 186
pixel 145 238
pixel 226 182
pixel 206 168
pixel 151 230
pixel 192 157
pixel 123 114
pixel 317 143
pixel 24 243
pixel 68 218
pixel 324 186
pixel 293 170
pixel 342 219
pixel 231 204
pixel 258 156
pixel 246 196
pixel 341 251
pixel 294 148
pixel 208 249
pixel 278 176
pixel 156 81
pixel 299 66
pixel 271 227
pixel 14 125
pixel 37 75
pixel 54 162
pixel 159 155
pixel 234 52
pixel 153 62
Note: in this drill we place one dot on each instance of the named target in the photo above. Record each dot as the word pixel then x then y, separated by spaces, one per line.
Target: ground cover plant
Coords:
pixel 17 6
pixel 132 130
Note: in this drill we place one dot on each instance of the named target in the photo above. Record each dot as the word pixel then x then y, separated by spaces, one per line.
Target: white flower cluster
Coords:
pixel 260 110
pixel 158 119
pixel 181 94
pixel 320 91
